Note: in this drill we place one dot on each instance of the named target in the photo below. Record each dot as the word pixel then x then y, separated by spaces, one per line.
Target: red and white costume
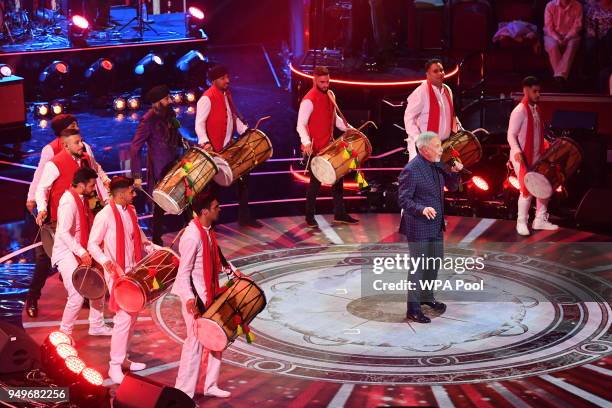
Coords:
pixel 71 235
pixel 216 119
pixel 430 109
pixel 201 264
pixel 116 229
pixel 316 126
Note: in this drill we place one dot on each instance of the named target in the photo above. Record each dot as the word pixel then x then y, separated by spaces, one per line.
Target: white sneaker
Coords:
pixel 217 392
pixel 522 228
pixel 134 366
pixel 103 330
pixel 116 374
pixel 543 224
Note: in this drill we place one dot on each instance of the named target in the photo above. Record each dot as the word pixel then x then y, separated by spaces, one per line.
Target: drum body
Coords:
pixel 559 162
pixel 217 328
pixel 169 193
pixel 241 156
pixel 463 146
pixel 47 237
pixel 136 289
pixel 89 281
pixel 330 165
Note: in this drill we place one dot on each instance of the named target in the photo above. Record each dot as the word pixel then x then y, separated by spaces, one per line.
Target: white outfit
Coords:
pixel 416 115
pixel 191 269
pixel 306 108
pixel 45 155
pixel 50 173
pixel 103 232
pixel 202 111
pixel 65 247
pixel 517 133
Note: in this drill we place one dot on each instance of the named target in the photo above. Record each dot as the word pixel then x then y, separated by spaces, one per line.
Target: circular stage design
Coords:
pixel 318 326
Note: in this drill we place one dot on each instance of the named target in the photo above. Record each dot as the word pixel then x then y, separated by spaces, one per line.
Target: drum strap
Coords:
pixel 332 98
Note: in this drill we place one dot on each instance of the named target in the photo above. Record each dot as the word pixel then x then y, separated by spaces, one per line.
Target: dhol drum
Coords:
pixel 187 176
pixel 147 281
pixel 47 237
pixel 217 328
pixel 462 146
pixel 242 156
pixel 89 281
pixel 556 165
pixel 331 164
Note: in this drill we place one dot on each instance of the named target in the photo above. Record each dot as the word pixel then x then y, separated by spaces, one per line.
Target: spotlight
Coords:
pixel 75 364
pixel 57 108
pixel 191 110
pixel 480 183
pixel 194 22
pixel 57 337
pixel 5 71
pixel 88 390
pixel 43 124
pixel 65 350
pixel 119 104
pixel 513 181
pixel 148 63
pixel 78 30
pixel 177 97
pixel 54 79
pixel 133 102
pixel 41 109
pixel 102 66
pixel 190 97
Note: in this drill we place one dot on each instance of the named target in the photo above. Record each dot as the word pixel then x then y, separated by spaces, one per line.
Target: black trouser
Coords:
pixel 428 272
pixel 242 184
pixel 41 272
pixel 313 191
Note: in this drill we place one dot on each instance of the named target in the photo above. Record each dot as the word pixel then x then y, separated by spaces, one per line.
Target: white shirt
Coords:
pixel 103 232
pixel 306 108
pixel 416 115
pixel 202 112
pixel 45 155
pixel 68 231
pixel 517 129
pixel 50 173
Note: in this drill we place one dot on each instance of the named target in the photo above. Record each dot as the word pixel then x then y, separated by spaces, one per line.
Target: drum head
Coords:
pixel 225 176
pixel 211 335
pixel 323 170
pixel 166 202
pixel 538 185
pixel 129 295
pixel 89 282
pixel 47 237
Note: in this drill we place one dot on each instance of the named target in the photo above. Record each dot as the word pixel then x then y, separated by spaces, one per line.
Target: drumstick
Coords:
pixel 369 122
pixel 307 163
pixel 261 120
pixel 147 194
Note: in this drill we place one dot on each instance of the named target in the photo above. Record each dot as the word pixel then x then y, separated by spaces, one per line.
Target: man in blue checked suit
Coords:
pixel 421 198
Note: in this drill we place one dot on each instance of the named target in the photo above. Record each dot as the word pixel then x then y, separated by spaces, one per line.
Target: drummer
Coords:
pixel 116 229
pixel 526 140
pixel 430 108
pixel 197 282
pixel 159 131
pixel 316 118
pixel 216 121
pixel 74 219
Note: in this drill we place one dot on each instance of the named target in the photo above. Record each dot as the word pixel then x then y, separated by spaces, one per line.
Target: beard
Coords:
pixel 166 112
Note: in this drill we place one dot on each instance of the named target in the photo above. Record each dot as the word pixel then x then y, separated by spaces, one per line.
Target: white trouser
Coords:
pixel 561 56
pixel 524 202
pixel 191 358
pixel 123 328
pixel 74 303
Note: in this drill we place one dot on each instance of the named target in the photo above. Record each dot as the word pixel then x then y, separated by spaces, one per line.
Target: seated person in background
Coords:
pixel 562 28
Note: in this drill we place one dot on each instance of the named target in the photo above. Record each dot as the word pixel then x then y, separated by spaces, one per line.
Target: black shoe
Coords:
pixel 311 222
pixel 31 307
pixel 251 223
pixel 345 219
pixel 436 306
pixel 418 317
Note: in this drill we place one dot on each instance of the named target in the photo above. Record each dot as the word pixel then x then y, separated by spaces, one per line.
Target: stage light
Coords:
pixel 57 337
pixel 43 124
pixel 41 109
pixel 559 189
pixel 513 181
pixel 102 66
pixel 190 97
pixel 57 108
pixel 75 364
pixel 78 30
pixel 148 63
pixel 177 97
pixel 480 183
pixel 92 376
pixel 191 110
pixel 133 102
pixel 64 350
pixel 119 104
pixel 194 23
pixel 54 79
pixel 5 71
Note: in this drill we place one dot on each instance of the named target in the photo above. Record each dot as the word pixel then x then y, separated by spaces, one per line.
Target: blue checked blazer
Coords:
pixel 417 190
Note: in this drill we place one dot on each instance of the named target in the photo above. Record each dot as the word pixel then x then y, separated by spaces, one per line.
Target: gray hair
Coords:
pixel 424 138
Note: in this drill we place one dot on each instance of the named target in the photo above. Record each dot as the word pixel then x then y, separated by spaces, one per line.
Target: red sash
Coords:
pixel 85 217
pixel 433 122
pixel 211 262
pixel 120 235
pixel 529 143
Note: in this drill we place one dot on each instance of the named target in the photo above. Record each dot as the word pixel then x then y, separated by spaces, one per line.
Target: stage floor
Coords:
pixel 544 342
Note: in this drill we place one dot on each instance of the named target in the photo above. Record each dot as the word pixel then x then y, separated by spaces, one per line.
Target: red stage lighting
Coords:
pixel 196 12
pixel 80 21
pixel 92 376
pixel 513 181
pixel 61 67
pixel 75 364
pixel 480 183
pixel 65 350
pixel 57 337
pixel 106 64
